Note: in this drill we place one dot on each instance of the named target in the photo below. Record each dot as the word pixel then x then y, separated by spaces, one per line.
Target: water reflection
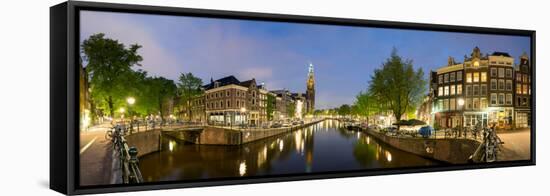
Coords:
pixel 323 147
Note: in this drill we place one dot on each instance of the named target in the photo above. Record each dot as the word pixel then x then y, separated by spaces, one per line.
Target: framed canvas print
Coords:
pixel 146 97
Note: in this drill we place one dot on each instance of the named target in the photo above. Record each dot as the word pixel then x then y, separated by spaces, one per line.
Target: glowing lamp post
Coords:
pixel 130 101
pixel 121 110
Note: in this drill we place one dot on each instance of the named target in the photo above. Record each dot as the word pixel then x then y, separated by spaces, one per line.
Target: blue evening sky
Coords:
pixel 278 53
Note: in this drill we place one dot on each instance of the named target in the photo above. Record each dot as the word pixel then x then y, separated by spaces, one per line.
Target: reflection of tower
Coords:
pixel 309 149
pixel 310 92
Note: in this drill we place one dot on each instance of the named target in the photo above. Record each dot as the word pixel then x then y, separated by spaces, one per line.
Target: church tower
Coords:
pixel 310 92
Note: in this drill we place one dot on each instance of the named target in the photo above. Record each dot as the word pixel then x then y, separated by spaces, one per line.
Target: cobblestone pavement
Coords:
pixel 517 145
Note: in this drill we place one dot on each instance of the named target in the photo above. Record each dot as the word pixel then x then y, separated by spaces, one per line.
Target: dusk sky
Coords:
pixel 278 53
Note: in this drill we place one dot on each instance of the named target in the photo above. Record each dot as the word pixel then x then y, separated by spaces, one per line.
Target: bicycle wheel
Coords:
pixel 109 135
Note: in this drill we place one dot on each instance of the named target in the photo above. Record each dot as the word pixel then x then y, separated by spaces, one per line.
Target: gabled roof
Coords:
pixel 223 82
pixel 501 54
pixel 247 83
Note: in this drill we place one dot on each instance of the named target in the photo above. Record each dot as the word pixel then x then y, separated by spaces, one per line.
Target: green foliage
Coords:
pixel 366 104
pixel 270 108
pixel 109 70
pixel 397 85
pixel 188 88
pixel 344 110
pixel 291 109
pixel 162 91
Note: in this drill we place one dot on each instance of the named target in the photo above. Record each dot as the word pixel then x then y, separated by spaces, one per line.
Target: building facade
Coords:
pixel 479 90
pixel 523 93
pixel 228 101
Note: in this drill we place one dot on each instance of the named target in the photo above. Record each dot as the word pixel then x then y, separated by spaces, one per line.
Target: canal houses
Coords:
pixel 229 101
pixel 523 92
pixel 480 90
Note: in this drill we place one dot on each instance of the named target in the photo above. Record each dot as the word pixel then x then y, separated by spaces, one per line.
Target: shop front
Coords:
pixel 502 117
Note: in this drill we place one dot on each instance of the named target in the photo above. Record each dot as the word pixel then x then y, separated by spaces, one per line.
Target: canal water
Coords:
pixel 323 147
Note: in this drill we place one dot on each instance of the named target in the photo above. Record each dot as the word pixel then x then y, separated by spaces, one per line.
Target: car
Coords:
pixel 373 127
pixel 286 124
pixel 276 125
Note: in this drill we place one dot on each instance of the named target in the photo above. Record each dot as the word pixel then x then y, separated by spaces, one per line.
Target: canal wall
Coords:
pixel 455 151
pixel 211 135
pixel 146 142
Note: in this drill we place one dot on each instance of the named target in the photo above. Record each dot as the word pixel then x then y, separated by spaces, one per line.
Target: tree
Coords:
pixel 366 105
pixel 397 85
pixel 189 87
pixel 162 91
pixel 291 110
pixel 344 110
pixel 109 69
pixel 270 108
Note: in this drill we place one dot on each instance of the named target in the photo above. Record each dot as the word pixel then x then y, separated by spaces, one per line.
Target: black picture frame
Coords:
pixel 64 54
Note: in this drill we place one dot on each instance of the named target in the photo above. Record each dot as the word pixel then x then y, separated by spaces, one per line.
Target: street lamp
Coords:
pixel 461 104
pixel 130 101
pixel 121 110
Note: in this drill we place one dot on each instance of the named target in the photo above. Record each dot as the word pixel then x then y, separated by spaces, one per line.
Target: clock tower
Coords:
pixel 310 92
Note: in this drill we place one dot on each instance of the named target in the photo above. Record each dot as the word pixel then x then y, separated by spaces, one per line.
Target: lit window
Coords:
pixel 440 91
pixel 452 89
pixel 476 77
pixel 483 76
pixel 452 104
pixel 476 64
pixel 446 91
pixel 459 89
pixel 518 89
pixel 525 89
pixel 483 103
pixel 518 77
pixel 469 77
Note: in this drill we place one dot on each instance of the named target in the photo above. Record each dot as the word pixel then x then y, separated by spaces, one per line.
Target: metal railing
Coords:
pixel 129 163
